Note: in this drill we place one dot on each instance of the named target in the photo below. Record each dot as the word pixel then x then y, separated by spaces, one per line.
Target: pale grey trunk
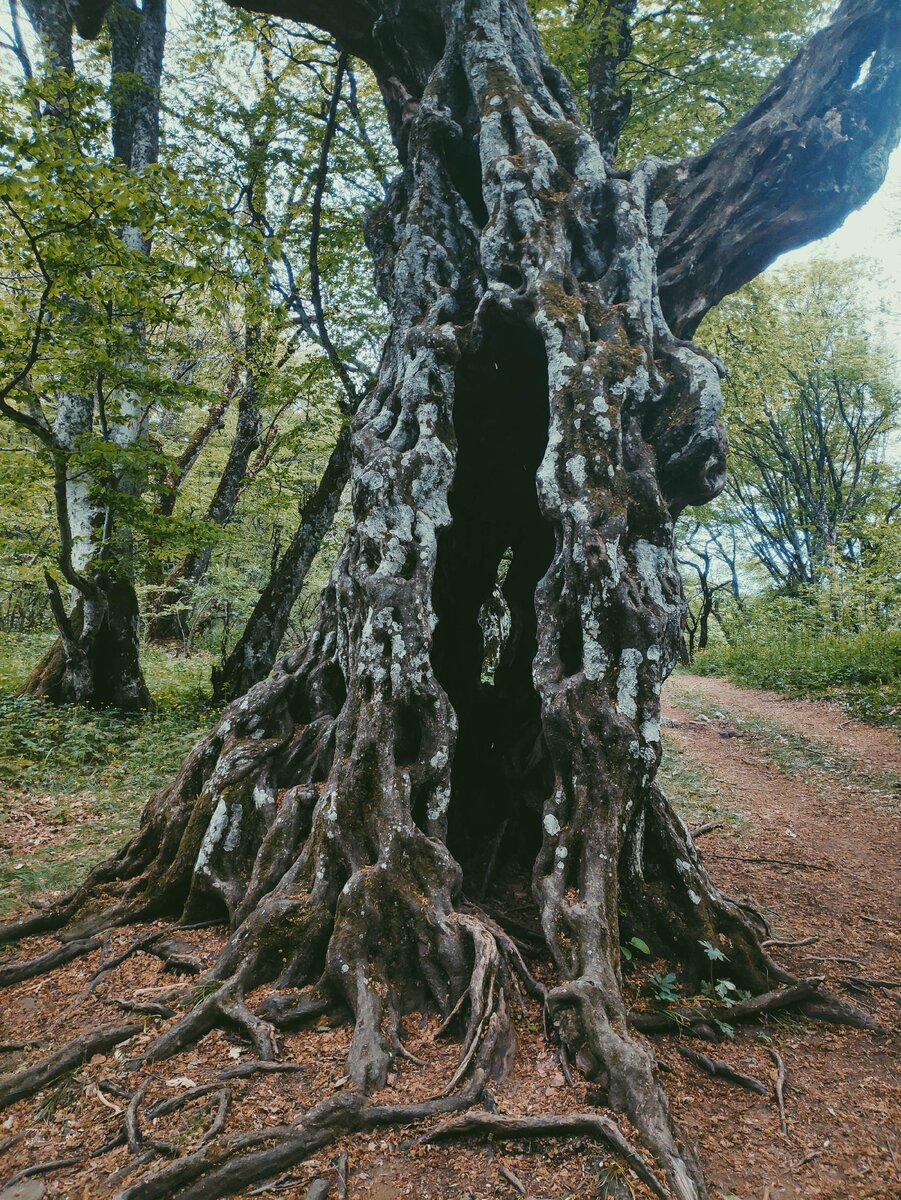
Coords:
pixel 97 658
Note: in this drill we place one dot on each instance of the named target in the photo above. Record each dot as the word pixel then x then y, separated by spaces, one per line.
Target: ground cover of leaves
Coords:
pixel 811 836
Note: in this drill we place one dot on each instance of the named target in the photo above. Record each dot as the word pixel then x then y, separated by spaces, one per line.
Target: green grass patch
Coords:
pixel 862 673
pixel 83 774
pixel 695 796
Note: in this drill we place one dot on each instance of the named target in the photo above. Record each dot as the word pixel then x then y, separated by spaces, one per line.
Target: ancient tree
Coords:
pixel 539 404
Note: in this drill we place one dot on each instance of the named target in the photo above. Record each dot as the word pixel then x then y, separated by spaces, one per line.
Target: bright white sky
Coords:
pixel 874 232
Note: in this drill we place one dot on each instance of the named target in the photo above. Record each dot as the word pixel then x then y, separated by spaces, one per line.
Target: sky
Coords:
pixel 874 232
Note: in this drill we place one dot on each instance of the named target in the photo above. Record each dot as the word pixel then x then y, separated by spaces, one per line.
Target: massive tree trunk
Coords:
pixel 533 405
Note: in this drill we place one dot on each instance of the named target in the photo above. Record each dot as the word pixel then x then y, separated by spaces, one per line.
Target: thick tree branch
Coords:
pixel 212 423
pixel 813 149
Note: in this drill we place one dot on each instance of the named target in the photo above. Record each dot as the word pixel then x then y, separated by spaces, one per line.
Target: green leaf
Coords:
pixel 713 952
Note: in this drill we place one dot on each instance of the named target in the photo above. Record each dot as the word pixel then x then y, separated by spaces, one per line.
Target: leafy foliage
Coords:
pixel 85 773
pixel 798 565
pixel 696 65
pixel 812 401
pixel 772 650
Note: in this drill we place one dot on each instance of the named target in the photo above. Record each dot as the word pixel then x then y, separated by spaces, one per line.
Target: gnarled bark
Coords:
pixel 533 407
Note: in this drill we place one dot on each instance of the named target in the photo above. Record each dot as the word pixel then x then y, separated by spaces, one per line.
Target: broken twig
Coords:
pixel 781 944
pixel 708 827
pixel 779 1088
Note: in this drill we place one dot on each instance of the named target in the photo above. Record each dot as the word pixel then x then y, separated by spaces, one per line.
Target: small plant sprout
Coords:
pixel 663 987
pixel 638 944
pixel 713 952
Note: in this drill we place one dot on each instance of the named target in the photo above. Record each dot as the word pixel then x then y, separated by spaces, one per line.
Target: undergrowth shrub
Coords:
pixel 73 780
pixel 862 671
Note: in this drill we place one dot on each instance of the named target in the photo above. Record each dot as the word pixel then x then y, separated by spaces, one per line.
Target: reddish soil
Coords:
pixel 879 749
pixel 840 829
pixel 836 839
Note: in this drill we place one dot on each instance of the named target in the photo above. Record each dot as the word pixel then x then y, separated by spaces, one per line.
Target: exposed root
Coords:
pixel 147 1009
pixel 341 1171
pixel 21 969
pixel 826 1007
pixel 779 1088
pixel 858 982
pixel 31 1079
pixel 578 1015
pixel 547 1125
pixel 159 942
pixel 252 1068
pixel 722 1070
pixel 684 1016
pixel 138 1142
pixel 199 1021
pixel 582 1016
pixel 780 943
pixel 707 827
pixel 239 1161
pixel 61 1164
pixel 601 1043
pixel 487 1009
pixel 287 1011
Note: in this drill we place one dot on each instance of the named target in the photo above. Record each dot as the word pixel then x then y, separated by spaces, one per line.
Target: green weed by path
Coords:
pixel 695 796
pixel 83 775
pixel 862 673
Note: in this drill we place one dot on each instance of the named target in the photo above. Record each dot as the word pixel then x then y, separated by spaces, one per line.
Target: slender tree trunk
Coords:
pixel 533 406
pixel 96 659
pixel 166 619
pixel 704 622
pixel 257 649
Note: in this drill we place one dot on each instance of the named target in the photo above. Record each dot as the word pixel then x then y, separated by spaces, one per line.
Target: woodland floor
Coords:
pixel 809 804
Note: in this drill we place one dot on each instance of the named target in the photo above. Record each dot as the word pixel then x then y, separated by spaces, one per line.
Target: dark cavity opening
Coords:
pixel 571 645
pixel 408 736
pixel 490 560
pixel 461 153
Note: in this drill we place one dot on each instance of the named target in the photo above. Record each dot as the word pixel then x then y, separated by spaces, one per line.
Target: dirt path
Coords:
pixel 818 849
pixel 820 720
